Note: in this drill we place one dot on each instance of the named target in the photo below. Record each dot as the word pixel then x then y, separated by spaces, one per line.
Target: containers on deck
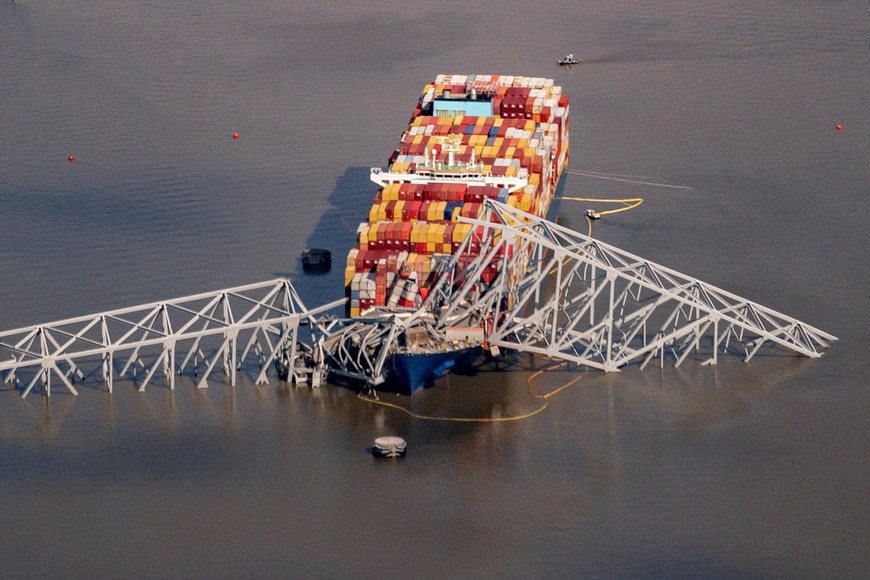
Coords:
pixel 509 126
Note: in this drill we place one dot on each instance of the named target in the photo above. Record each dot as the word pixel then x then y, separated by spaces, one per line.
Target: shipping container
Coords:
pixel 513 126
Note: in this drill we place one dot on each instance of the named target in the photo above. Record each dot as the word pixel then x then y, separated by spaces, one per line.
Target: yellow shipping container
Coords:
pixel 397 211
pixel 352 254
pixel 349 274
pixel 534 179
pixel 510 152
pixel 499 141
pixel 373 213
pixel 525 202
pixel 522 143
pixel 418 232
pixel 511 171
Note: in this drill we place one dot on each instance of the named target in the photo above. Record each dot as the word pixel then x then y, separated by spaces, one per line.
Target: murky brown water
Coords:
pixel 738 470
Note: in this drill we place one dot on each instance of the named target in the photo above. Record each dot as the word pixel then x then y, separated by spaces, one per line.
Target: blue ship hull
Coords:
pixel 412 372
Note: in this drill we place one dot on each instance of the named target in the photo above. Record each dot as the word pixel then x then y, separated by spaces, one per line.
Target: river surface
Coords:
pixel 741 470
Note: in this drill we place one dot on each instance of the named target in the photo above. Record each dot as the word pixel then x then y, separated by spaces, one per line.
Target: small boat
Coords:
pixel 316 259
pixel 389 446
pixel 568 60
pixel 593 215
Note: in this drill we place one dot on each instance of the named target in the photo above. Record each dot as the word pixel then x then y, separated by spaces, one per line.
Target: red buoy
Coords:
pixel 235 135
pixel 71 158
pixel 839 127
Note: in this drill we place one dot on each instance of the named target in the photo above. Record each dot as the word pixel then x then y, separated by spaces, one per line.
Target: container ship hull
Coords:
pixel 470 138
pixel 411 372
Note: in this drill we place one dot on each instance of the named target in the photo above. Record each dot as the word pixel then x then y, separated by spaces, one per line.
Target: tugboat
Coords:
pixel 316 259
pixel 568 60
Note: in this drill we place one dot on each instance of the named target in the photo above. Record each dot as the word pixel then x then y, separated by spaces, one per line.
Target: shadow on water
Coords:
pixel 349 203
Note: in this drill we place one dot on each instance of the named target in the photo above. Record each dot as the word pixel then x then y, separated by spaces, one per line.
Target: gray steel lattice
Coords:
pixel 546 289
pixel 571 297
pixel 262 319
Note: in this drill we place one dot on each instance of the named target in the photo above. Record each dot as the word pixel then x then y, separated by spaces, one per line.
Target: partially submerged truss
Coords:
pixel 264 323
pixel 571 297
pixel 532 285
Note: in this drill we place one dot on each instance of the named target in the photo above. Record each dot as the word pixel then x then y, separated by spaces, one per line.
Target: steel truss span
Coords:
pixel 260 324
pixel 577 299
pixel 532 285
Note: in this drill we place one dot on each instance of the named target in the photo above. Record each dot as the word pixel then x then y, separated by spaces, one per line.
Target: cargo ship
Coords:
pixel 470 138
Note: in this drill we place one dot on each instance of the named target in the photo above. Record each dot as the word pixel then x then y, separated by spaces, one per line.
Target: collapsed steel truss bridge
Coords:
pixel 263 323
pixel 565 296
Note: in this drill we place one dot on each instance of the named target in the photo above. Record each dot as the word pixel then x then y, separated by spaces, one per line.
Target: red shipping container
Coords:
pixel 384 236
pixel 414 211
pixel 474 194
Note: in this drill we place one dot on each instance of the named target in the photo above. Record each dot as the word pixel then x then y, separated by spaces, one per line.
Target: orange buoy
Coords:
pixel 839 127
pixel 235 135
pixel 71 158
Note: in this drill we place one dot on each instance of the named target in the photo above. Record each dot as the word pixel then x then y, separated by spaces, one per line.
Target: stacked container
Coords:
pixel 411 227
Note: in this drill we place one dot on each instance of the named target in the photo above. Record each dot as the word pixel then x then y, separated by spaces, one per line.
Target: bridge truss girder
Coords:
pixel 224 328
pixel 571 297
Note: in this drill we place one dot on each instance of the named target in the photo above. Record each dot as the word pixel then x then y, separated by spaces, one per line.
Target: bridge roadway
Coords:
pixel 565 296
